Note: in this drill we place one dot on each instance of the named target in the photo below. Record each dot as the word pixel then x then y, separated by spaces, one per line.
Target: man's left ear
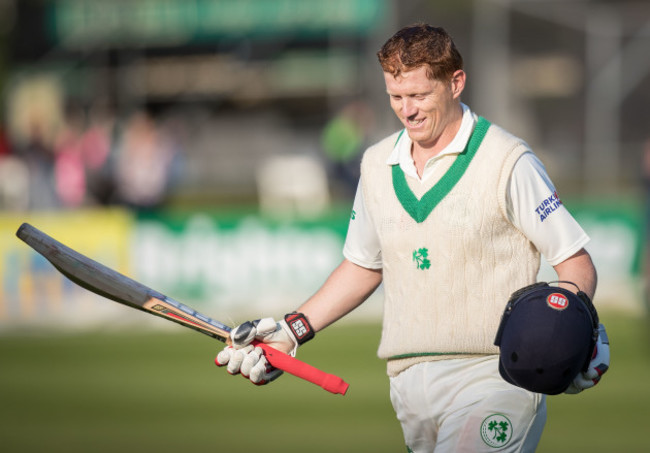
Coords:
pixel 458 82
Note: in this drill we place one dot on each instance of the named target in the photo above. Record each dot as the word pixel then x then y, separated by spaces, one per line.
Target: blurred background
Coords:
pixel 210 148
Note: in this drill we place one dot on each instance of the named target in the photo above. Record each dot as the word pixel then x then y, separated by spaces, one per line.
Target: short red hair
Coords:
pixel 421 45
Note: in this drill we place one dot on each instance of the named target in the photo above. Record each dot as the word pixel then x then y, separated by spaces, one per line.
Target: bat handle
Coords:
pixel 291 365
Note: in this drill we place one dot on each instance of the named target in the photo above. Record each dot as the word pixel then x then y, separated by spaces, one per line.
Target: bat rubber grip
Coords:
pixel 291 365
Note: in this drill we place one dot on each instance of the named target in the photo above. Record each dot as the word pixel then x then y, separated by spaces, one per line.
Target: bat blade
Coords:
pixel 106 282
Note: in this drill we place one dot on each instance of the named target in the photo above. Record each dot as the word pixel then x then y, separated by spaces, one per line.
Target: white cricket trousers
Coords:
pixel 463 405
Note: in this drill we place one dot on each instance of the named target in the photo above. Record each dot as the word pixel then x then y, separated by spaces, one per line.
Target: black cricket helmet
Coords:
pixel 546 337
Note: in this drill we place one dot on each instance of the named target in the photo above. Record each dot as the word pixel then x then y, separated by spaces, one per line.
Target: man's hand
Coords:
pixel 250 362
pixel 242 357
pixel 597 367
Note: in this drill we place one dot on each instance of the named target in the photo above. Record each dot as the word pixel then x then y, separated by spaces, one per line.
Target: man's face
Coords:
pixel 425 106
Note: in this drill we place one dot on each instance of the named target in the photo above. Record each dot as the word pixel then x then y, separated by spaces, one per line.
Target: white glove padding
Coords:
pixel 242 357
pixel 250 362
pixel 276 334
pixel 233 358
pixel 597 367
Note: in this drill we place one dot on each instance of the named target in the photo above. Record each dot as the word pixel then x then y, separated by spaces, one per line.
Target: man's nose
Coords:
pixel 408 107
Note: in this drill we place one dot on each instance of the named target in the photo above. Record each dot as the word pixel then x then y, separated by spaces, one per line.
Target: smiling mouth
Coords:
pixel 414 123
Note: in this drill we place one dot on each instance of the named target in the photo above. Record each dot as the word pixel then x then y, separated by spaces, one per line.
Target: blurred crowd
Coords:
pixel 56 153
pixel 85 156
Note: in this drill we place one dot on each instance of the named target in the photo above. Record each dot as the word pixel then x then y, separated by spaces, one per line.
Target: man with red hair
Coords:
pixel 445 217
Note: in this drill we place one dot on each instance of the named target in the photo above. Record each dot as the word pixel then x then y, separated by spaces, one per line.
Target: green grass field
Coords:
pixel 161 392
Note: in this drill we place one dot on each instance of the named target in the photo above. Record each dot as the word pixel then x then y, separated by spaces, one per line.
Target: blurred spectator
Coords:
pixel 343 139
pixel 39 157
pixel 143 163
pixel 82 176
pixel 35 117
pixel 69 171
pixel 97 145
pixel 14 178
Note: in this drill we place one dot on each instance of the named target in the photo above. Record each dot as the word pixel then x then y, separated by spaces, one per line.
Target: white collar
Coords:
pixel 401 153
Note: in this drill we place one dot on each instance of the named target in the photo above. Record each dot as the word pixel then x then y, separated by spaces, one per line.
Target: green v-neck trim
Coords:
pixel 420 209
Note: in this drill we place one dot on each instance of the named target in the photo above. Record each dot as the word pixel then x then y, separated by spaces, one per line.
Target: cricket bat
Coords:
pixel 106 282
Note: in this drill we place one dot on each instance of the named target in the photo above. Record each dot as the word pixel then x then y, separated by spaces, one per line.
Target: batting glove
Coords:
pixel 597 367
pixel 248 361
pixel 243 358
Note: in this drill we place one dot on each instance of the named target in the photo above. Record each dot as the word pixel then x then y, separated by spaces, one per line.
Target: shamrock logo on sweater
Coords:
pixel 420 256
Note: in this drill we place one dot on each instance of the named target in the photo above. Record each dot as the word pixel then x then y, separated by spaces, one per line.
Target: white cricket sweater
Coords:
pixel 451 258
